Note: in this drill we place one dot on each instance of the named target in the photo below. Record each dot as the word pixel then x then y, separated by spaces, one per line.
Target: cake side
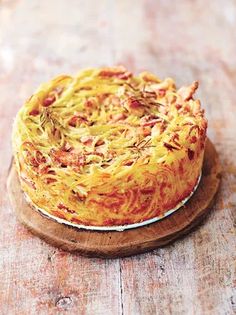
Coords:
pixel 106 148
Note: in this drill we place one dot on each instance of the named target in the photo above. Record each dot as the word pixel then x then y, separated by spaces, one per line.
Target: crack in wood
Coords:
pixel 121 288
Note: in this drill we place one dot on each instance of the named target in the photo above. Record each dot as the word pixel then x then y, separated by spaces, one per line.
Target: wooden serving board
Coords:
pixel 129 242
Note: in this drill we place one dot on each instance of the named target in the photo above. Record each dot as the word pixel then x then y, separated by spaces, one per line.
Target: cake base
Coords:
pixel 119 228
pixel 129 242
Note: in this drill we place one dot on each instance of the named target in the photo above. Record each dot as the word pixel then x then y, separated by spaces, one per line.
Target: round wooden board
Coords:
pixel 129 242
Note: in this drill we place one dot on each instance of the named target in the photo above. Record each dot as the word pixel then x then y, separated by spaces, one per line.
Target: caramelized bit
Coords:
pixel 149 77
pixel 39 157
pixel 186 92
pixel 133 103
pixel 148 190
pixel 49 100
pixel 128 162
pixel 50 180
pixel 77 120
pixel 116 72
pixel 67 158
pixel 63 207
pixel 44 170
pixel 144 130
pixel 170 147
pixel 90 103
pixel 34 112
pixel 160 88
pixel 80 197
pixel 161 92
pixel 87 140
pixel 67 147
pixel 150 120
pixel 193 139
pixel 190 154
pixel 134 106
pixel 35 158
pixel 99 142
pixel 118 117
pixel 175 138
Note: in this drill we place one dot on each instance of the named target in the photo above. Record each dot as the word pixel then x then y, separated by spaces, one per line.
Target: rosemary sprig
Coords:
pixel 141 145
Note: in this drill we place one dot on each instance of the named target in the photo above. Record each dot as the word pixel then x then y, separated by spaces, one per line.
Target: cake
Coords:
pixel 107 148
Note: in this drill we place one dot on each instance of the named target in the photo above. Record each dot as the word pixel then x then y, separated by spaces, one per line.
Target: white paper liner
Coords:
pixel 119 228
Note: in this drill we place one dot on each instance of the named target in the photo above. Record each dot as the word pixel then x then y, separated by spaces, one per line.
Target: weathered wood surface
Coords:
pixel 185 39
pixel 129 242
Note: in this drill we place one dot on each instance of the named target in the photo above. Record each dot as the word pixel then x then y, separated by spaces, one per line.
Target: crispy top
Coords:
pixel 109 119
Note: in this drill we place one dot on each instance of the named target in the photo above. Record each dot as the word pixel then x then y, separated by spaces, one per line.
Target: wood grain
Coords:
pixel 187 40
pixel 129 242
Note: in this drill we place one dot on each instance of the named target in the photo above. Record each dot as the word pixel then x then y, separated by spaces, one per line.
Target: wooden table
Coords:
pixel 185 39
